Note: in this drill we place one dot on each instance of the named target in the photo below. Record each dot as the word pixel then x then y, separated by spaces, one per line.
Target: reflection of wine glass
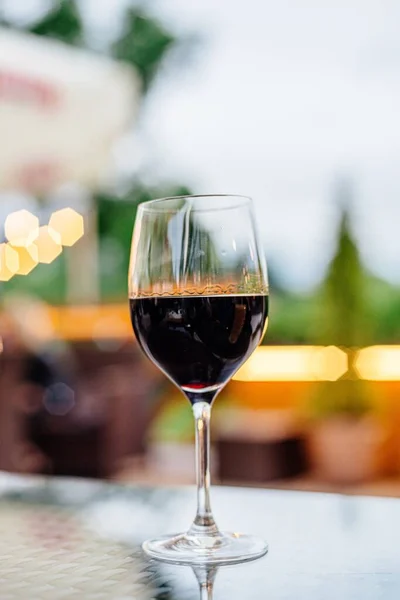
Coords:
pixel 199 303
pixel 205 576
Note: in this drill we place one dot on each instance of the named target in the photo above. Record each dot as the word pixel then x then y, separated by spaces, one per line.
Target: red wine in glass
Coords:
pixel 199 304
pixel 199 342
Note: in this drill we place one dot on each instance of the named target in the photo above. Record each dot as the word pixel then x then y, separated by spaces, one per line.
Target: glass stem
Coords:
pixel 205 577
pixel 204 523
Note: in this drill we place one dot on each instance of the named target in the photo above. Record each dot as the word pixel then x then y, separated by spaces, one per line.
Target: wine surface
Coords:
pixel 199 341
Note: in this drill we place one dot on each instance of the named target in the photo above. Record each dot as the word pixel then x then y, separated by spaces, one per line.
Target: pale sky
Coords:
pixel 279 100
pixel 284 97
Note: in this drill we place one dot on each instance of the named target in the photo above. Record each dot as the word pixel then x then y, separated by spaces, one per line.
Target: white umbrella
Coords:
pixel 60 111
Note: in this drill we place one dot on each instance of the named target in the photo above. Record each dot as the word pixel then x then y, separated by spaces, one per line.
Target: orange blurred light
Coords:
pixel 109 327
pixel 21 228
pixel 28 259
pixel 294 363
pixel 9 262
pixel 378 363
pixel 68 224
pixel 48 244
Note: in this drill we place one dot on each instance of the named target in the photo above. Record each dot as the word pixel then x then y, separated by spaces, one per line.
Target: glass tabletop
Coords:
pixel 68 538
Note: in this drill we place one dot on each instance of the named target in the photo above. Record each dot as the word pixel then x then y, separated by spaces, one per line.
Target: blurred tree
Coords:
pixel 63 22
pixel 143 43
pixel 342 320
pixel 384 310
pixel 47 282
pixel 116 216
pixel 291 316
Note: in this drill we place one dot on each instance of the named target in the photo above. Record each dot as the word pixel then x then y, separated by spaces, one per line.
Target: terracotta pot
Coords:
pixel 345 450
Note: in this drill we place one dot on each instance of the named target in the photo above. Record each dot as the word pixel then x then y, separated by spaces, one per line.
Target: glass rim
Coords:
pixel 153 205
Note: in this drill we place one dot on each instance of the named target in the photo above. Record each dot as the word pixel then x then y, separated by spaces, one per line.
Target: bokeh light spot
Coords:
pixel 21 228
pixel 378 363
pixel 9 262
pixel 48 244
pixel 294 363
pixel 28 259
pixel 68 224
pixel 59 399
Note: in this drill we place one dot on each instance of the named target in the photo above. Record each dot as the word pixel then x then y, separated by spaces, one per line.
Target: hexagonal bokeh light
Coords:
pixel 28 259
pixel 21 228
pixel 48 244
pixel 9 262
pixel 68 224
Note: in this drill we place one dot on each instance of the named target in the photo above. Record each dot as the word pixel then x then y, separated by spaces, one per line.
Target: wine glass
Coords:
pixel 199 305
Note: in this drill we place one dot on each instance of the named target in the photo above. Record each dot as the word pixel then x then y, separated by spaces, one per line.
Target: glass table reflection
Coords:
pixel 68 538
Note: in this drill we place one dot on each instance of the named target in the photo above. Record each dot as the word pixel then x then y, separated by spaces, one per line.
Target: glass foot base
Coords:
pixel 226 548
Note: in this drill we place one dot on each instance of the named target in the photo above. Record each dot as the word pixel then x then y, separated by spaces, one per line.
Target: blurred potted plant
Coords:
pixel 345 433
pixel 171 443
pixel 171 437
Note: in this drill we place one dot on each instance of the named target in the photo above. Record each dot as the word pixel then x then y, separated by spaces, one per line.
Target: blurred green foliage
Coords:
pixel 342 320
pixel 342 317
pixel 63 22
pixel 47 282
pixel 174 421
pixel 351 308
pixel 116 216
pixel 143 43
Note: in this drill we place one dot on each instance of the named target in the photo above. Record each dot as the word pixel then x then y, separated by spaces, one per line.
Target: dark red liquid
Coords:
pixel 199 342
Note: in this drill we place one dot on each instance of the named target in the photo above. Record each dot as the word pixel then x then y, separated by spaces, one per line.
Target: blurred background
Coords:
pixel 106 104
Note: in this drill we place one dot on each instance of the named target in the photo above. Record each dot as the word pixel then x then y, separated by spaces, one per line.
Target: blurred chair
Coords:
pixel 74 410
pixel 108 419
pixel 258 446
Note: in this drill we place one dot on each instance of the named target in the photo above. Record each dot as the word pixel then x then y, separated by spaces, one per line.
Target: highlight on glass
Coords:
pixel 199 306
